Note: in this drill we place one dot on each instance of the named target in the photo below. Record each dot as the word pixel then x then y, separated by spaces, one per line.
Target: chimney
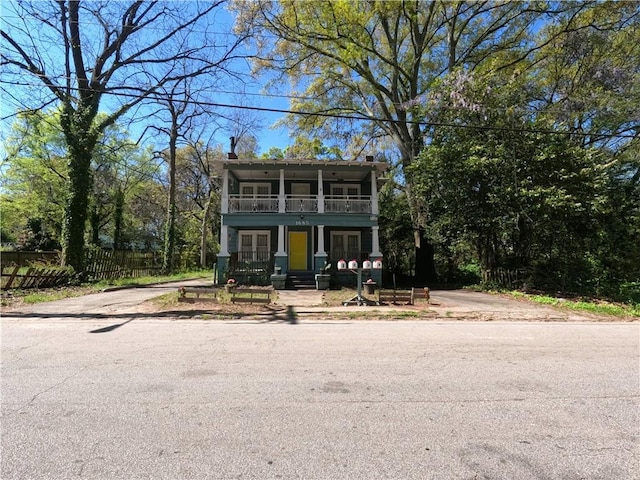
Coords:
pixel 232 154
pixel 368 158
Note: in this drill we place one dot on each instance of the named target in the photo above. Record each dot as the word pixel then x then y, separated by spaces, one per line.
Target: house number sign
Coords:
pixel 302 222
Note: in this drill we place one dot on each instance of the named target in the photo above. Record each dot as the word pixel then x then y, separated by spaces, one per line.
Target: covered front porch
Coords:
pixel 253 256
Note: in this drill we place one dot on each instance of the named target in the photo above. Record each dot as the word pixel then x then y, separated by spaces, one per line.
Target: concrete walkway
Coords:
pixel 299 298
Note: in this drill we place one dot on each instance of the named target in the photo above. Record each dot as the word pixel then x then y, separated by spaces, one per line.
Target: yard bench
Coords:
pixel 396 296
pixel 251 295
pixel 198 291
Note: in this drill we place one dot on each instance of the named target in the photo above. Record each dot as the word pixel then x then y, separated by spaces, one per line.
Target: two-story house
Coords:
pixel 296 216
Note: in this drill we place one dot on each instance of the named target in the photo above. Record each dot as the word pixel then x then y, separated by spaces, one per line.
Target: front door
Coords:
pixel 297 250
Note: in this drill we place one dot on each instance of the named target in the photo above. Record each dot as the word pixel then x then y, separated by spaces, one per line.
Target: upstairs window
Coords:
pixel 252 190
pixel 345 190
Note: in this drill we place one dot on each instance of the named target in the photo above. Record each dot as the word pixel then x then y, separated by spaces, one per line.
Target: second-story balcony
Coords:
pixel 300 204
pixel 257 204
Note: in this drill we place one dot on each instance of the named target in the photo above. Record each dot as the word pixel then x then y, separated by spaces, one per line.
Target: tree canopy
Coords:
pixel 77 53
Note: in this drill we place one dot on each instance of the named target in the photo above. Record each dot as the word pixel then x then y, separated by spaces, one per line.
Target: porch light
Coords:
pixel 366 265
pixel 342 265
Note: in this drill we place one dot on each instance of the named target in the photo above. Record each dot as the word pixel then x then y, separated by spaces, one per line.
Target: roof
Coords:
pixel 300 168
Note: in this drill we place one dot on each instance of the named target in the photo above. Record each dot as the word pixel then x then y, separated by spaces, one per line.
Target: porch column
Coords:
pixel 320 198
pixel 225 192
pixel 376 254
pixel 280 257
pixel 281 197
pixel 374 193
pixel 223 255
pixel 224 241
pixel 320 257
pixel 375 242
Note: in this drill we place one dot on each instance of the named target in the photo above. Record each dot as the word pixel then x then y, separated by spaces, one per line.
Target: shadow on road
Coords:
pixel 271 315
pixel 110 328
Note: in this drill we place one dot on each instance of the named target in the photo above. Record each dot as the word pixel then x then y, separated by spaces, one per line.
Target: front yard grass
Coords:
pixel 597 307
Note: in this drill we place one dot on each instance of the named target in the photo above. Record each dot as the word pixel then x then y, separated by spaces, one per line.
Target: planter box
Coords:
pixel 278 281
pixel 322 281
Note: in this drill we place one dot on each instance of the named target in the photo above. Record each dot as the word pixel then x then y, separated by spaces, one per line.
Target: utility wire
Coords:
pixel 423 123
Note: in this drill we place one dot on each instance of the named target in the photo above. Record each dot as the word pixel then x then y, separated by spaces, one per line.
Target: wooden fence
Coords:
pixel 12 277
pixel 507 278
pixel 42 269
pixel 109 264
pixel 27 258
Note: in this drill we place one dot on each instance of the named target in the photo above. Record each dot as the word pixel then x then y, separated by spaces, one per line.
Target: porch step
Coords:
pixel 299 280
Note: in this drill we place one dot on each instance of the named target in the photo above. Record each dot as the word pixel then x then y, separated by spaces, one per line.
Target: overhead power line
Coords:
pixel 424 123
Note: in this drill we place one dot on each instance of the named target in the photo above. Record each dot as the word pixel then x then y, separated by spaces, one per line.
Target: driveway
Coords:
pixel 126 303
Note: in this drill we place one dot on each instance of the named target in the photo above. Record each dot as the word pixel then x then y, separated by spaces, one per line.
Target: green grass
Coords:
pixel 139 281
pixel 590 306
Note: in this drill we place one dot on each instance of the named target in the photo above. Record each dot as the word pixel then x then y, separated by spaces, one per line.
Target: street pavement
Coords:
pixel 101 392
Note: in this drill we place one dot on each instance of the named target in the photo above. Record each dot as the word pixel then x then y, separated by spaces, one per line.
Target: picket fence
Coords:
pixel 11 277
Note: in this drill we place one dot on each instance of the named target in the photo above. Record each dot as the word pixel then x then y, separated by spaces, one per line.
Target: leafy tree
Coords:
pixel 34 174
pixel 374 60
pixel 35 237
pixel 81 52
pixel 396 233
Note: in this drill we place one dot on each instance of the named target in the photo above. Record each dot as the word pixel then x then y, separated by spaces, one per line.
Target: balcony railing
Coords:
pixel 340 204
pixel 299 203
pixel 259 204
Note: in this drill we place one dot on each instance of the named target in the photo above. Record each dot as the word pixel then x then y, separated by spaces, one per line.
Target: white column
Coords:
pixel 374 193
pixel 224 241
pixel 281 252
pixel 320 196
pixel 225 191
pixel 281 197
pixel 321 241
pixel 375 242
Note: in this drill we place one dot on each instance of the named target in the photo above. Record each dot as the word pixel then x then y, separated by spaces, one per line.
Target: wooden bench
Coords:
pixel 198 291
pixel 251 295
pixel 396 296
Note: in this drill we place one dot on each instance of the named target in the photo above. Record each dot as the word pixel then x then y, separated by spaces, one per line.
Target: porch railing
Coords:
pixel 260 204
pixel 299 203
pixel 335 255
pixel 339 204
pixel 251 261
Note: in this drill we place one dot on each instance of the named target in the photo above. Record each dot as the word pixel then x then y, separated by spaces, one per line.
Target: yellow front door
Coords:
pixel 297 250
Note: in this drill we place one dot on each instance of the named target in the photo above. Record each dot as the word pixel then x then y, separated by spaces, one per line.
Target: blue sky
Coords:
pixel 267 137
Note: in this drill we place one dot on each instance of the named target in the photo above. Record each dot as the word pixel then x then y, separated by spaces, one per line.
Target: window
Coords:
pixel 345 245
pixel 255 189
pixel 345 189
pixel 254 245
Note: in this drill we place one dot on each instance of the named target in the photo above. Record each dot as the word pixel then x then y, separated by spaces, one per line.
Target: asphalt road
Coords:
pixel 114 395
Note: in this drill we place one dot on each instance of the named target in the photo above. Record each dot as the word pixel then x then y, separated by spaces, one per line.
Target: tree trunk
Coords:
pixel 79 186
pixel 170 228
pixel 204 230
pixel 94 220
pixel 118 214
pixel 425 260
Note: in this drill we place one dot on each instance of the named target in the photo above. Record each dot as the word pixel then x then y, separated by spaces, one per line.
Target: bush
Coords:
pixel 630 292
